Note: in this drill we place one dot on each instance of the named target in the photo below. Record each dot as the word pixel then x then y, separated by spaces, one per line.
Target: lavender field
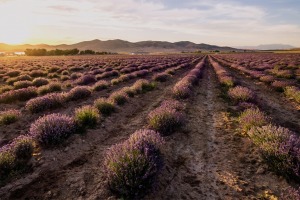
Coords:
pixel 194 126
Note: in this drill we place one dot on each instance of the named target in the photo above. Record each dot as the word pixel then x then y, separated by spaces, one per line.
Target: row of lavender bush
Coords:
pixel 278 146
pixel 132 167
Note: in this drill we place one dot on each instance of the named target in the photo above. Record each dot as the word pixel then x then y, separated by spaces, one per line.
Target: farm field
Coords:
pixel 185 126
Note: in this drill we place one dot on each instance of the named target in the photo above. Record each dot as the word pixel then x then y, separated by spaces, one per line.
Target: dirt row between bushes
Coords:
pixel 73 171
pixel 280 109
pixel 209 159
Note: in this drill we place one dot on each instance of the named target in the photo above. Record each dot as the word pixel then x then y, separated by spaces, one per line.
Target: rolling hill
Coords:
pixel 122 46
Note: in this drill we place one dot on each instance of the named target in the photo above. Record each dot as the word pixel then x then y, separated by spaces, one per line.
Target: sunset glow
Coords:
pixel 229 22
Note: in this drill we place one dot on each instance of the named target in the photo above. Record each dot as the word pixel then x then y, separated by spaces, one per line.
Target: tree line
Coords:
pixel 60 52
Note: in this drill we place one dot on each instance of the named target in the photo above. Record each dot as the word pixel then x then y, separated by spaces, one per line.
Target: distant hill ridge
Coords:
pixel 122 46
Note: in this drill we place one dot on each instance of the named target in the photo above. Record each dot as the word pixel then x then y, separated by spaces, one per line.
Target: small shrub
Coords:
pixel 47 102
pixel 165 119
pixel 101 85
pixel 37 73
pixel 9 116
pixel 240 93
pixel 104 106
pixel 132 167
pixel 7 163
pixel 252 117
pixel 142 86
pixel 181 91
pixel 86 79
pixel 13 73
pixel 279 148
pixel 293 93
pixel 40 82
pixel 129 91
pixel 51 87
pixel 5 88
pixel 15 155
pixel 18 95
pixel 118 97
pixel 227 81
pixel 79 92
pixel 280 85
pixel 22 84
pixel 290 194
pixel 87 116
pixel 267 78
pixel 52 129
pixel 161 77
pixel 23 147
pixel 64 78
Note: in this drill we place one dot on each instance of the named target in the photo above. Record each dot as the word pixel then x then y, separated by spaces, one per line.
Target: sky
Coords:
pixel 218 22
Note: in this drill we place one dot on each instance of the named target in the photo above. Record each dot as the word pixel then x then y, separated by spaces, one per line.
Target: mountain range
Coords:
pixel 122 46
pixel 268 47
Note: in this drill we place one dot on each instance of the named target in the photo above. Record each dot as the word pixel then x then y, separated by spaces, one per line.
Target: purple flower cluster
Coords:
pixel 142 86
pixel 15 155
pixel 183 88
pixel 78 92
pixel 132 167
pixel 118 97
pixel 161 77
pixel 292 92
pixel 252 117
pixel 100 85
pixel 87 116
pixel 240 93
pixel 22 84
pixel 290 194
pixel 46 102
pixel 224 77
pixel 9 116
pixel 166 118
pixel 280 148
pixel 40 82
pixel 52 129
pixel 18 95
pixel 51 87
pixel 86 79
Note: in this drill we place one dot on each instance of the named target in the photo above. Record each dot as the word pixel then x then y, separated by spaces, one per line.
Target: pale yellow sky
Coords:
pixel 228 22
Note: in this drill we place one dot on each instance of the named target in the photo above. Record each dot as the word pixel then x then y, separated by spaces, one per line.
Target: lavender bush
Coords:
pixel 79 92
pixel 165 119
pixel 46 102
pixel 22 84
pixel 118 97
pixel 292 92
pixel 9 116
pixel 86 79
pixel 101 85
pixel 104 106
pixel 87 116
pixel 240 93
pixel 51 87
pixel 132 167
pixel 52 129
pixel 40 82
pixel 252 117
pixel 18 95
